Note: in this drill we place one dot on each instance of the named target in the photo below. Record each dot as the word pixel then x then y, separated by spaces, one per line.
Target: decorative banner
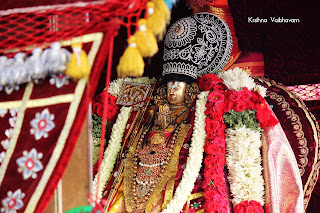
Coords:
pixel 40 124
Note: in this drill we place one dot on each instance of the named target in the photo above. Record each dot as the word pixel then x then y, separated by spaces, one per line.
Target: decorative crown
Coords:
pixel 196 45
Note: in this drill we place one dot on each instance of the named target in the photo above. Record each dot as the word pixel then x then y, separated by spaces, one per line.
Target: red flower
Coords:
pixel 209 194
pixel 232 95
pixel 99 110
pixel 219 159
pixel 219 141
pixel 215 97
pixel 220 87
pixel 212 125
pixel 256 97
pixel 245 94
pixel 208 161
pixel 219 110
pixel 219 198
pixel 112 100
pixel 112 113
pixel 210 111
pixel 206 82
pixel 265 115
pixel 213 207
pixel 215 112
pixel 211 148
pixel 248 207
pixel 240 106
pixel 210 172
pixel 228 105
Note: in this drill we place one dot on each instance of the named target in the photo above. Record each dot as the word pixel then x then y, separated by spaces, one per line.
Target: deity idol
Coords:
pixel 196 148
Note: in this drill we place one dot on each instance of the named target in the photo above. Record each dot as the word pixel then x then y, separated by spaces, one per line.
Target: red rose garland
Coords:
pixel 220 101
pixel 112 108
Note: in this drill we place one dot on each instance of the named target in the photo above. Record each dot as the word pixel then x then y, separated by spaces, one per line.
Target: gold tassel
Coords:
pixel 162 7
pixel 131 63
pixel 155 20
pixel 78 67
pixel 146 41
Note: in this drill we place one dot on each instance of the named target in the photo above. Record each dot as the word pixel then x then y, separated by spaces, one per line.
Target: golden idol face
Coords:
pixel 176 92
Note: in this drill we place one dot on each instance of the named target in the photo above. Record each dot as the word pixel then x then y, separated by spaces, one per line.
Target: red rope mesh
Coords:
pixel 20 28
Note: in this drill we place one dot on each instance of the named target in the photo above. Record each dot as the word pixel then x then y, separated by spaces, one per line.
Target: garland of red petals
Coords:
pixel 220 101
pixel 112 108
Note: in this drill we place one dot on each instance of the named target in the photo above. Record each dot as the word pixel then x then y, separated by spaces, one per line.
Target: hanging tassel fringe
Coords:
pixel 155 20
pixel 161 6
pixel 131 63
pixel 78 67
pixel 145 40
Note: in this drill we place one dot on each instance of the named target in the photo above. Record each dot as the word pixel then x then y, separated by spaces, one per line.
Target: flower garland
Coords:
pixel 244 165
pixel 234 91
pixel 113 115
pixel 237 79
pixel 193 165
pixel 216 198
pixel 110 154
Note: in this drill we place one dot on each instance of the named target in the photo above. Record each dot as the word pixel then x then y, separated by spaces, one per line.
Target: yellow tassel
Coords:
pixel 162 7
pixel 146 41
pixel 131 63
pixel 78 67
pixel 155 20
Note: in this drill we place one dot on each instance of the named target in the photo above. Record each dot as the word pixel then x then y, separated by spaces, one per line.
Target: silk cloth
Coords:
pixel 283 183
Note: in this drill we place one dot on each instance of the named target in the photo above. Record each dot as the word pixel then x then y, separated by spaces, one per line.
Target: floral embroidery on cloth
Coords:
pixel 42 124
pixel 8 132
pixel 12 202
pixel 29 164
pixel 59 80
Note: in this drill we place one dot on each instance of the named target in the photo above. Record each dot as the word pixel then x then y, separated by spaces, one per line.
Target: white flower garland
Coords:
pixel 244 164
pixel 236 79
pixel 116 85
pixel 194 161
pixel 112 151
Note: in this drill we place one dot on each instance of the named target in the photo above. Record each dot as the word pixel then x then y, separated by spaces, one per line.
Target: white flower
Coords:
pixel 29 164
pixel 12 202
pixel 236 79
pixel 42 124
pixel 261 90
pixel 244 165
pixel 110 154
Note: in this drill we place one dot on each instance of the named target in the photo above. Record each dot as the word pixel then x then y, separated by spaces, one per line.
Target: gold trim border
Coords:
pixel 41 102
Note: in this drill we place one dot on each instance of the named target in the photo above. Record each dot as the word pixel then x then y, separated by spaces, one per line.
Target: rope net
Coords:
pixel 36 26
